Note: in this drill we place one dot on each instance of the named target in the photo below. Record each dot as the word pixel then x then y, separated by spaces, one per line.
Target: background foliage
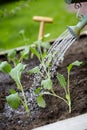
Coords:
pixel 17 16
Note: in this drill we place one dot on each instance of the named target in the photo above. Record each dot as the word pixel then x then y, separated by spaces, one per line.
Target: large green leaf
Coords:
pixel 5 67
pixel 41 101
pixel 47 84
pixel 61 80
pixel 16 73
pixel 13 100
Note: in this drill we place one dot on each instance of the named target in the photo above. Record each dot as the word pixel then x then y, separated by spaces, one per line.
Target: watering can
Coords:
pixel 74 1
pixel 75 30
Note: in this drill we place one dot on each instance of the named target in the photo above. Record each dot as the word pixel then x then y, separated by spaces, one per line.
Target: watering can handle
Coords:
pixel 74 1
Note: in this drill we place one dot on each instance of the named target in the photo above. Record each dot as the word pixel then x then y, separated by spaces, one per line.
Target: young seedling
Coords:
pixel 47 87
pixel 14 98
pixel 66 85
pixel 13 58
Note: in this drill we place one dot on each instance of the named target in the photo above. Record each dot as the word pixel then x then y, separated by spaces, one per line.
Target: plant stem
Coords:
pixel 70 107
pixel 68 87
pixel 54 94
pixel 25 101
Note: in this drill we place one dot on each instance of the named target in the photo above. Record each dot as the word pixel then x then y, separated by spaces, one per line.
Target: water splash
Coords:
pixel 58 50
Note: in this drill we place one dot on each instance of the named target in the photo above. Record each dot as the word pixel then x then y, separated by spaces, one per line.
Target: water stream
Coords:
pixel 58 49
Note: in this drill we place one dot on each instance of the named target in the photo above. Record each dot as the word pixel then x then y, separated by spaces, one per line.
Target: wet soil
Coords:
pixel 55 109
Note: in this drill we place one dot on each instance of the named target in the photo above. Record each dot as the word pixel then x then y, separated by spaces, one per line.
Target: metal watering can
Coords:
pixel 75 30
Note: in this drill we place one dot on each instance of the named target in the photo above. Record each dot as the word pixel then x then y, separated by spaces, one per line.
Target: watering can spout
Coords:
pixel 75 30
pixel 74 1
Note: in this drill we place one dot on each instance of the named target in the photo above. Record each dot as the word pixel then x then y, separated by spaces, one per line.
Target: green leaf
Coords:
pixel 37 43
pixel 13 100
pixel 61 80
pixel 11 54
pixel 44 54
pixel 37 91
pixel 25 53
pixel 16 73
pixel 47 84
pixel 76 63
pixel 34 70
pixel 5 67
pixel 45 45
pixel 12 91
pixel 35 52
pixel 41 101
pixel 69 68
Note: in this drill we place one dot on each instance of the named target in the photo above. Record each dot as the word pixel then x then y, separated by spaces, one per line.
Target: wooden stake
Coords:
pixel 42 21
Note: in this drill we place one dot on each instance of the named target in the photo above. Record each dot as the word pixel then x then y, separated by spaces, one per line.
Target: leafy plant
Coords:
pixel 12 55
pixel 14 98
pixel 16 68
pixel 66 84
pixel 47 86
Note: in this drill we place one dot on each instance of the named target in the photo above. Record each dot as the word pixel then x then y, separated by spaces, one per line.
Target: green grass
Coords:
pixel 11 25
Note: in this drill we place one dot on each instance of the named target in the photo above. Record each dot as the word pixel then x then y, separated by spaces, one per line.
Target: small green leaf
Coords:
pixel 37 43
pixel 35 52
pixel 44 54
pixel 76 63
pixel 34 70
pixel 45 45
pixel 47 84
pixel 13 100
pixel 16 73
pixel 37 91
pixel 25 53
pixel 41 101
pixel 61 80
pixel 69 68
pixel 5 67
pixel 12 91
pixel 11 54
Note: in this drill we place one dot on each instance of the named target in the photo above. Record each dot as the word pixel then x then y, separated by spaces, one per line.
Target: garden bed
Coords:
pixel 55 109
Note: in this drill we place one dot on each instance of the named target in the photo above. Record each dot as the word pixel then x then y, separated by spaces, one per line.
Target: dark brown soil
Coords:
pixel 56 109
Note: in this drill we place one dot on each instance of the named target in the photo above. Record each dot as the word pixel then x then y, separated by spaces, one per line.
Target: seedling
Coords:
pixel 15 71
pixel 14 98
pixel 47 86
